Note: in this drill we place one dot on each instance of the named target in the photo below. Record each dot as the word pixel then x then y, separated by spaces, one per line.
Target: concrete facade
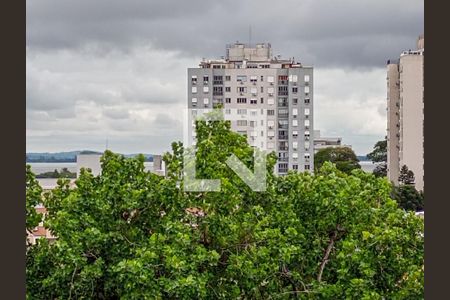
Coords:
pixel 268 99
pixel 405 129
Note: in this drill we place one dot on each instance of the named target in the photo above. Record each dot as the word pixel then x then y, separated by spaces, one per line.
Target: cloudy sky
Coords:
pixel 116 70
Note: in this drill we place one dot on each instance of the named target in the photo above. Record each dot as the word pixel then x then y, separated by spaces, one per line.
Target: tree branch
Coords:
pixel 333 239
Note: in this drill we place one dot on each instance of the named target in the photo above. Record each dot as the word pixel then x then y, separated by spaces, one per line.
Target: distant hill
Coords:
pixel 70 156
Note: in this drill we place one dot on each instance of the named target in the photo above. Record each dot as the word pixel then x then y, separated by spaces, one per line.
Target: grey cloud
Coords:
pixel 326 33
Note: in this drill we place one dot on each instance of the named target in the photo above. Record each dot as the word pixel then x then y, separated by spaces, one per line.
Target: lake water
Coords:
pixel 39 168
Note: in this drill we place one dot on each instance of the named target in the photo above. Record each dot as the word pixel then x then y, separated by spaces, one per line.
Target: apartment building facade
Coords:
pixel 268 99
pixel 405 123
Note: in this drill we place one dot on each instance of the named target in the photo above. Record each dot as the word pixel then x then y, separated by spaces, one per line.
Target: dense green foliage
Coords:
pixel 379 155
pixel 408 197
pixel 130 234
pixel 33 198
pixel 64 173
pixel 343 157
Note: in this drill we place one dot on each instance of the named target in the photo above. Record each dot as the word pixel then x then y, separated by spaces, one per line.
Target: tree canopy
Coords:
pixel 379 155
pixel 343 157
pixel 130 234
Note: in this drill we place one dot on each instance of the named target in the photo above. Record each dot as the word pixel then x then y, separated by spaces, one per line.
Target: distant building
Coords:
pixel 321 142
pixel 266 98
pixel 405 105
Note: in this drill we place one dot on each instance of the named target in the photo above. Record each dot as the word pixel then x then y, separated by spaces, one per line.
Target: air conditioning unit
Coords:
pixel 271 83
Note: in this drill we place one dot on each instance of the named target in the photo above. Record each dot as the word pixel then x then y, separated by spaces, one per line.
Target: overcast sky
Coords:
pixel 116 70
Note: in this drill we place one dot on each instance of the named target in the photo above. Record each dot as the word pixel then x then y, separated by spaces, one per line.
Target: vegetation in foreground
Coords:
pixel 130 234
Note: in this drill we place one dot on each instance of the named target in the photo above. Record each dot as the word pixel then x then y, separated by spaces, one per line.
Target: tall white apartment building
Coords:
pixel 405 125
pixel 268 99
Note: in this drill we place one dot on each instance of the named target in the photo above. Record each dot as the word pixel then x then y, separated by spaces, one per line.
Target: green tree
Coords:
pixel 406 176
pixel 343 157
pixel 130 234
pixel 408 197
pixel 33 198
pixel 379 155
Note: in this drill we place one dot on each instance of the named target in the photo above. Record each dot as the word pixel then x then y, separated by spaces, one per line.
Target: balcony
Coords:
pixel 217 93
pixel 283 93
pixel 218 82
pixel 282 137
pixel 283 82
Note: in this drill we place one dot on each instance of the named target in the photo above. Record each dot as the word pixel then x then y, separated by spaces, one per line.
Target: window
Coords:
pixel 270 112
pixel 253 90
pixel 253 78
pixel 294 122
pixel 270 123
pixel 194 90
pixel 306 111
pixel 254 112
pixel 261 100
pixel 270 90
pixel 227 78
pixel 242 132
pixel 194 79
pixel 241 100
pixel 294 111
pixel 227 100
pixel 218 80
pixel 242 89
pixel 205 89
pixel 241 78
pixel 306 78
pixel 295 89
pixel 306 122
pixel 270 101
pixel 306 89
pixel 295 133
pixel 252 123
pixel 227 89
pixel 262 78
pixel 307 167
pixel 294 167
pixel 194 100
pixel 205 101
pixel 241 122
pixel 228 111
pixel 253 101
pixel 205 79
pixel 282 90
pixel 270 145
pixel 294 100
pixel 307 100
pixel 282 167
pixel 242 111
pixel 270 79
pixel 194 111
pixel 294 78
pixel 295 155
pixel 217 90
pixel 270 133
pixel 294 145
